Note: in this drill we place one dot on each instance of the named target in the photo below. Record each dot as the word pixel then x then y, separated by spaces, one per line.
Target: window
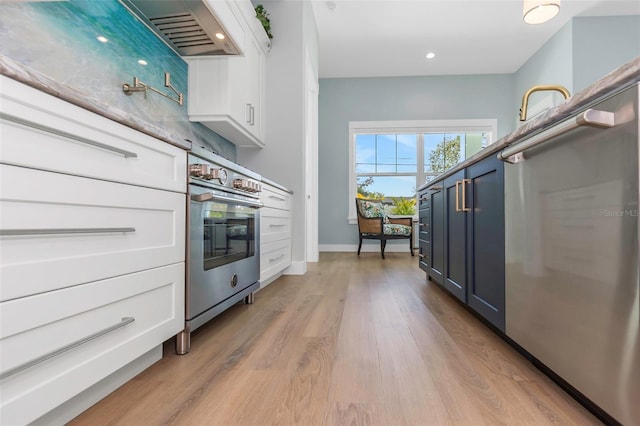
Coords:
pixel 392 159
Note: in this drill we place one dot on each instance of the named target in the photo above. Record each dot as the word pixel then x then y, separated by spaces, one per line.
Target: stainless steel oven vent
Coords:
pixel 187 26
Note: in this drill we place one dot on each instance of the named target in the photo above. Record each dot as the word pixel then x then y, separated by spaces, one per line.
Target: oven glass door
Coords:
pixel 229 233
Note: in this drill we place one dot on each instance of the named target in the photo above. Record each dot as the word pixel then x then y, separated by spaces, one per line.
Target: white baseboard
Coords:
pixel 296 268
pixel 366 248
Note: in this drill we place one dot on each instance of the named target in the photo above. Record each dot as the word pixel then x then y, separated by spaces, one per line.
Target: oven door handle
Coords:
pixel 207 196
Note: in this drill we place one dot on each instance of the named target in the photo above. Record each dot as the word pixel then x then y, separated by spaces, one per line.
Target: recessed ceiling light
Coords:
pixel 220 36
pixel 102 39
pixel 142 62
pixel 431 55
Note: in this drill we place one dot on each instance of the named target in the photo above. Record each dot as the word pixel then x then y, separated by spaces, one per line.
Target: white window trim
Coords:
pixel 408 126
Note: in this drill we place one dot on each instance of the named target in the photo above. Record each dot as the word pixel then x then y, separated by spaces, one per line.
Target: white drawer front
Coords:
pixel 128 229
pixel 275 198
pixel 274 257
pixel 34 326
pixel 274 225
pixel 72 140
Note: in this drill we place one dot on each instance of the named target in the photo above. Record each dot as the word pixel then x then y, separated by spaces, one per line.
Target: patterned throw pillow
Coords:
pixel 371 209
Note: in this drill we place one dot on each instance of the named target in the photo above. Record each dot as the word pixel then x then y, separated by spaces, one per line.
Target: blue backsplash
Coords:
pixel 60 40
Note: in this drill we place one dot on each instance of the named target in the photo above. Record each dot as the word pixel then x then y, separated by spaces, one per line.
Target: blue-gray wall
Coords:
pixel 342 100
pixel 601 44
pixel 58 39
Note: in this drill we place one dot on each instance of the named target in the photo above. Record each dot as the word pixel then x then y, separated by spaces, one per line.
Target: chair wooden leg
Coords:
pixel 383 244
pixel 411 245
pixel 359 246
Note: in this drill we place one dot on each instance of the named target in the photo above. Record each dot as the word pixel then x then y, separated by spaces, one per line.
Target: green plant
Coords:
pixel 404 207
pixel 263 17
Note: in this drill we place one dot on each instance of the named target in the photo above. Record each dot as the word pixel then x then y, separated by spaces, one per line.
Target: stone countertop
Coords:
pixel 23 74
pixel 277 185
pixel 622 77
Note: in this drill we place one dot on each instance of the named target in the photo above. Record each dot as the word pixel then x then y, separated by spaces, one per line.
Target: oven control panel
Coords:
pixel 248 185
pixel 219 176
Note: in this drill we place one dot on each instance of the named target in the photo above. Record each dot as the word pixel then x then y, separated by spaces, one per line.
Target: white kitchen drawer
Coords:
pixel 274 225
pixel 68 139
pixel 274 258
pixel 84 230
pixel 32 327
pixel 275 198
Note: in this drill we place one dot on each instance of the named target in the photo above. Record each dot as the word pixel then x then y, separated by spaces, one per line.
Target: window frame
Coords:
pixel 417 127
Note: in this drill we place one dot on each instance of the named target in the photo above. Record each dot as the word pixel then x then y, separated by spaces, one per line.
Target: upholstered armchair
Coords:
pixel 374 224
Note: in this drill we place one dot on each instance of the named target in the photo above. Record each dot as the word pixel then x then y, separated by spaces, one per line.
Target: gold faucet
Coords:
pixel 525 98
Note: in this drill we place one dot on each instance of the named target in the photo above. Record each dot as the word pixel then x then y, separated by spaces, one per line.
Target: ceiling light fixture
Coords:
pixel 431 55
pixel 220 36
pixel 539 11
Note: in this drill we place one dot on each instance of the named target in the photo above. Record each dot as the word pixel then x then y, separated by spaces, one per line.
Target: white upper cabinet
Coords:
pixel 227 93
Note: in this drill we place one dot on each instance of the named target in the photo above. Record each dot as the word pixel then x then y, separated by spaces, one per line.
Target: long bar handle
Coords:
pixel 275 197
pixel 63 231
pixel 276 225
pixel 590 117
pixel 124 153
pixel 207 196
pixel 124 321
pixel 457 196
pixel 464 208
pixel 273 259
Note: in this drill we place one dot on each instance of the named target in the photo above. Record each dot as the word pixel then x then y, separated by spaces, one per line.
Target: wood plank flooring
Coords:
pixel 355 341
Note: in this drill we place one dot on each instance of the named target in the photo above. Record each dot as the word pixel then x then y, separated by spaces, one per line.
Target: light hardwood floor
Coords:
pixel 355 341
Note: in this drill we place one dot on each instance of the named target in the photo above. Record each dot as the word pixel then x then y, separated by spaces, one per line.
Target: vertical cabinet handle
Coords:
pixel 463 182
pixel 247 115
pixel 253 115
pixel 457 196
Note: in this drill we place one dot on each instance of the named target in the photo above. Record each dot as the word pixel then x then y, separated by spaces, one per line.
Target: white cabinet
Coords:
pixel 275 232
pixel 227 93
pixel 92 236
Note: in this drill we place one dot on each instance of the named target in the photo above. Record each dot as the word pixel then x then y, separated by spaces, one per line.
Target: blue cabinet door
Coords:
pixel 455 240
pixel 485 225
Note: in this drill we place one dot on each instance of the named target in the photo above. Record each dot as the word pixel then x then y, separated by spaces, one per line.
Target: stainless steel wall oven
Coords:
pixel 223 263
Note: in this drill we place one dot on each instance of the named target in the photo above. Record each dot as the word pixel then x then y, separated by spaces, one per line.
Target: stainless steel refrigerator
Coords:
pixel 572 287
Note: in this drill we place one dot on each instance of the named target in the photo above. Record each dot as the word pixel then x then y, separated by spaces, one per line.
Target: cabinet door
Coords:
pixel 486 290
pixel 424 233
pixel 436 196
pixel 455 241
pixel 255 66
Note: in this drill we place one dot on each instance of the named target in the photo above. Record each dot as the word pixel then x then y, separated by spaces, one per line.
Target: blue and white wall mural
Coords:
pixel 94 46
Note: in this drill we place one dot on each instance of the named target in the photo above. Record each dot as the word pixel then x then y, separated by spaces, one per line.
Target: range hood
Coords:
pixel 187 26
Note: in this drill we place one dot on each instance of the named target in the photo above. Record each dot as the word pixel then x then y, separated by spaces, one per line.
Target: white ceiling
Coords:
pixel 367 38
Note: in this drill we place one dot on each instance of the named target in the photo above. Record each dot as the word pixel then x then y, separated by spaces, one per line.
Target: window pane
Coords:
pixel 387 186
pixel 407 151
pixel 474 143
pixel 441 151
pixel 385 151
pixel 365 149
pixel 365 168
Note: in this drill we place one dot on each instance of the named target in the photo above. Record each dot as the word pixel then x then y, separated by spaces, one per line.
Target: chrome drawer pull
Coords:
pixel 62 231
pixel 273 259
pixel 73 345
pixel 124 153
pixel 276 225
pixel 275 197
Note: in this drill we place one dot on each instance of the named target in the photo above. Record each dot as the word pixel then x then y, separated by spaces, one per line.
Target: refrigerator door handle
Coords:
pixel 590 117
